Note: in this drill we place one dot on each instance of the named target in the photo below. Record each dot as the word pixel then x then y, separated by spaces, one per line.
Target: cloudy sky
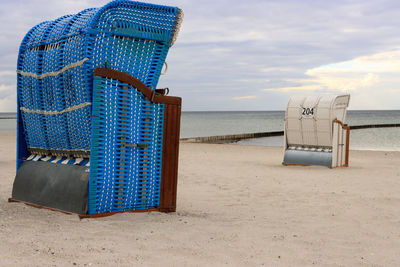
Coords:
pixel 253 54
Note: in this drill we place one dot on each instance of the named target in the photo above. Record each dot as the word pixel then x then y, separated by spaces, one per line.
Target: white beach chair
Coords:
pixel 315 133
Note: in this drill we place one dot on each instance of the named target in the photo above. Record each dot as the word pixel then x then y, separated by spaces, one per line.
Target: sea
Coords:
pixel 210 123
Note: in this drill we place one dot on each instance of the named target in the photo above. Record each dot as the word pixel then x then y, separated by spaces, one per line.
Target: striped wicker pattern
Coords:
pixel 125 160
pixel 68 116
pixel 60 160
pixel 56 62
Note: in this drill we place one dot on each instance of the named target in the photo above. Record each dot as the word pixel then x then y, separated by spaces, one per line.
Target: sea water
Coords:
pixel 197 124
pixel 8 123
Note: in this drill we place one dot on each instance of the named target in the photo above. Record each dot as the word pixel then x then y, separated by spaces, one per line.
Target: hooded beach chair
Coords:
pixel 95 136
pixel 315 133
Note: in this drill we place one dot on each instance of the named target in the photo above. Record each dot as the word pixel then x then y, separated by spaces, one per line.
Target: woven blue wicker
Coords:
pixel 68 117
pixel 57 59
pixel 132 134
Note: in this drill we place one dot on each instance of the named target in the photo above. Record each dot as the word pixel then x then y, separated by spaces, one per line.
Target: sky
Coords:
pixel 253 54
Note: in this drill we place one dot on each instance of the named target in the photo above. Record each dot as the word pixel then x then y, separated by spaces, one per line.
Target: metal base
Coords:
pixel 302 157
pixel 56 186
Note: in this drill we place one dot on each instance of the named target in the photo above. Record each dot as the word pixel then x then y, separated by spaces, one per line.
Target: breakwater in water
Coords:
pixel 230 138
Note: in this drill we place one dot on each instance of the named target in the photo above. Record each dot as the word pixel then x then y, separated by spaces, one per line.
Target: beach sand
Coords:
pixel 237 206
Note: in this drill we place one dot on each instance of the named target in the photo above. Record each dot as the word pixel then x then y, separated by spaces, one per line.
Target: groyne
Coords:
pixel 220 139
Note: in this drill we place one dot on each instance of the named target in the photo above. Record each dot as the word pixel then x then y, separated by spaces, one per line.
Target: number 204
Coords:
pixel 308 111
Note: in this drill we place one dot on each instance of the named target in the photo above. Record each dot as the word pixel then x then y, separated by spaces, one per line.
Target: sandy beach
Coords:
pixel 237 206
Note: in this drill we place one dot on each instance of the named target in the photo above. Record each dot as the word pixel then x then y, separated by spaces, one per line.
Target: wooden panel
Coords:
pixel 346 128
pixel 347 145
pixel 146 91
pixel 170 157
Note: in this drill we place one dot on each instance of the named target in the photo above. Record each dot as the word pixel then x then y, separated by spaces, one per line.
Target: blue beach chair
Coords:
pixel 94 135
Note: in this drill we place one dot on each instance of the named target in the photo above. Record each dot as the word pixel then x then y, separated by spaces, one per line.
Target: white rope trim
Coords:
pixel 166 68
pixel 53 73
pixel 177 26
pixel 38 111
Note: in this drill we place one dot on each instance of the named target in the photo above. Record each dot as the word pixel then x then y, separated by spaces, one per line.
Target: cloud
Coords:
pixel 8 73
pixel 296 88
pixel 342 82
pixel 351 75
pixel 6 90
pixel 244 97
pixel 377 63
pixel 359 73
pixel 278 69
pixel 230 48
pixel 9 103
pixel 255 80
pixel 372 80
pixel 278 41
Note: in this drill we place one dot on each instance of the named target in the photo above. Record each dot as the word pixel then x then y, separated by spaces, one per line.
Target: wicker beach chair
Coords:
pixel 315 133
pixel 94 135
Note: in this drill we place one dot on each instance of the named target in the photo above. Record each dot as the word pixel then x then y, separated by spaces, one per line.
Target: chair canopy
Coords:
pixel 57 59
pixel 309 119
